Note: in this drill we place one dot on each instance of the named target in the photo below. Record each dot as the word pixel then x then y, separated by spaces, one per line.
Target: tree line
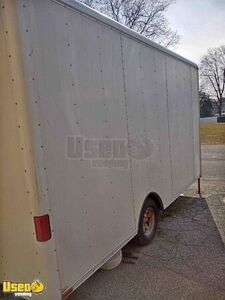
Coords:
pixel 143 16
pixel 212 81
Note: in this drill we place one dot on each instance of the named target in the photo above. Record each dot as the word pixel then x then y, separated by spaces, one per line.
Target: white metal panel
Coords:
pixel 180 124
pixel 145 81
pixel 22 257
pixel 77 67
pixel 196 116
pixel 75 75
pixel 80 7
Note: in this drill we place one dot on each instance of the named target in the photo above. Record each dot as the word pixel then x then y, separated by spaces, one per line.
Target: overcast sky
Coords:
pixel 201 23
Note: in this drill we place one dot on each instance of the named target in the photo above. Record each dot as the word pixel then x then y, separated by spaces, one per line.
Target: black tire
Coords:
pixel 147 224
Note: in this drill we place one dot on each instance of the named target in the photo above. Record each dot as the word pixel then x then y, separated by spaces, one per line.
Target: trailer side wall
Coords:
pixel 22 258
pixel 88 80
pixel 73 68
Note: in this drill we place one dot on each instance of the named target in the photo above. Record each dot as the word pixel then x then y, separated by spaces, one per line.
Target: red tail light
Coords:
pixel 42 228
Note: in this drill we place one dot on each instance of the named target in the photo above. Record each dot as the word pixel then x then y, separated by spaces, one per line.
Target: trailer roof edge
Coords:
pixel 82 8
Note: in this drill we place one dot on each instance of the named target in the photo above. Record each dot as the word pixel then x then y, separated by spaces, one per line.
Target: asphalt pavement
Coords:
pixel 186 260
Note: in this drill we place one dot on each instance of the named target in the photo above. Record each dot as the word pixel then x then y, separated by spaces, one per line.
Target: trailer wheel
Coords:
pixel 147 225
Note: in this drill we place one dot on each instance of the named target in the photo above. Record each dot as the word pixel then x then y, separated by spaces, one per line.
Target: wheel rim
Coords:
pixel 149 221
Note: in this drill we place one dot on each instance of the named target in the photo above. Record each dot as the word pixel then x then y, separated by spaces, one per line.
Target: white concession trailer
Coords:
pixel 99 130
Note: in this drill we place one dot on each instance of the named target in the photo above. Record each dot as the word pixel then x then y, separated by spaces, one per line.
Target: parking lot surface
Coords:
pixel 186 260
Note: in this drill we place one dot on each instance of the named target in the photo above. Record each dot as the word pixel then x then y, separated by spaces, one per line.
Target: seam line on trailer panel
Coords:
pixel 177 195
pixel 168 124
pixel 127 125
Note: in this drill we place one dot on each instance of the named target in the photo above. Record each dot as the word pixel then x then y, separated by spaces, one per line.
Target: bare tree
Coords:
pixel 143 16
pixel 212 72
